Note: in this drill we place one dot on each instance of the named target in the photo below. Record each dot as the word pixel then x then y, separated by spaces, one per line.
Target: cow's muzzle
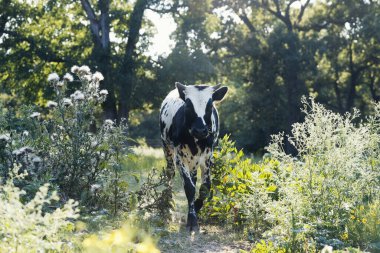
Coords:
pixel 200 133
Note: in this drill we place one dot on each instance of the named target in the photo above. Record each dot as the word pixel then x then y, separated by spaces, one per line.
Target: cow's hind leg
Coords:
pixel 166 204
pixel 204 190
pixel 170 168
pixel 189 185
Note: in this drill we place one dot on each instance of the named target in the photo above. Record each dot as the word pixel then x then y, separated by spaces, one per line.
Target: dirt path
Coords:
pixel 210 239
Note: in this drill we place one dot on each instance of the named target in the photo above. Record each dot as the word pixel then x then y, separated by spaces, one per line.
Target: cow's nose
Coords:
pixel 200 133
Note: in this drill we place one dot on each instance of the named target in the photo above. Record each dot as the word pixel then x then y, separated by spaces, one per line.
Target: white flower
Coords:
pixel 87 78
pixel 36 159
pixel 74 69
pixel 60 84
pixel 51 104
pixel 17 152
pixel 26 149
pixel 22 151
pixel 68 77
pixel 67 102
pixel 53 77
pixel 35 115
pixel 97 76
pixel 95 187
pixel 84 70
pixel 5 137
pixel 108 122
pixel 94 85
pixel 77 95
pixel 25 133
pixel 327 249
pixel 103 93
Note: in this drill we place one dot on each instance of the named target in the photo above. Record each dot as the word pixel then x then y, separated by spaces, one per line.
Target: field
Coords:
pixel 71 183
pixel 174 237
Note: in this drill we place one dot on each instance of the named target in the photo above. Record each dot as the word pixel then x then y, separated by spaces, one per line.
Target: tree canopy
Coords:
pixel 269 52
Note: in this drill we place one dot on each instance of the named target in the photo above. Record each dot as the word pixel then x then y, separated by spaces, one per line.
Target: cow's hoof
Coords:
pixel 192 229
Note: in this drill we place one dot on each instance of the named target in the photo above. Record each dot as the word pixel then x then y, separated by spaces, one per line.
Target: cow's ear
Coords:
pixel 219 93
pixel 181 89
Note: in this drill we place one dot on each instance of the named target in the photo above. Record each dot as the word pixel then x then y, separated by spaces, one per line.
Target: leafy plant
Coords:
pixel 25 227
pixel 327 194
pixel 241 189
pixel 336 171
pixel 68 147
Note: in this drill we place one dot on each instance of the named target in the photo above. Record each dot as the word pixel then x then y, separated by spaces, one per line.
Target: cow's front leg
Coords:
pixel 189 185
pixel 204 190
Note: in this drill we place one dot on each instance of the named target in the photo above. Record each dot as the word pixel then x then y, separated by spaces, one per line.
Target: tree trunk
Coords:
pixel 102 57
pixel 101 53
pixel 352 85
pixel 128 66
pixel 337 92
pixel 295 87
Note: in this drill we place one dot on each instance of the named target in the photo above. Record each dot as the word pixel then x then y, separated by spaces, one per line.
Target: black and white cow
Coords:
pixel 189 130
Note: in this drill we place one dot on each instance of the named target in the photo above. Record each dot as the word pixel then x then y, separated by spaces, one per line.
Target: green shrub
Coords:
pixel 25 227
pixel 328 194
pixel 68 147
pixel 241 189
pixel 335 172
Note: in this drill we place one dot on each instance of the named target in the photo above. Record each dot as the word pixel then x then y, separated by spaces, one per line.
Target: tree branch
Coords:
pixel 278 13
pixel 287 10
pixel 104 6
pixel 94 24
pixel 302 11
pixel 247 22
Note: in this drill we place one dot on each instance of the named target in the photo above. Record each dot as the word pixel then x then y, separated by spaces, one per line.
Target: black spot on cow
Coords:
pixel 162 126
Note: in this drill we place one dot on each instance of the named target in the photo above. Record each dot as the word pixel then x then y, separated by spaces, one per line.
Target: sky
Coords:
pixel 161 42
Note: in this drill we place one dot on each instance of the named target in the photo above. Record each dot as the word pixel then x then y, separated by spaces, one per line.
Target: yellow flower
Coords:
pixel 353 217
pixel 364 220
pixel 361 208
pixel 344 236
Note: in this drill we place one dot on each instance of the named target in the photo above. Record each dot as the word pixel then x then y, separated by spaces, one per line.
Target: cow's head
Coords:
pixel 198 106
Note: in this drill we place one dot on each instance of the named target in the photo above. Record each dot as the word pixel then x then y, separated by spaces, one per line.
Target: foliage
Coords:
pixel 270 52
pixel 241 189
pixel 328 194
pixel 25 227
pixel 124 239
pixel 156 195
pixel 67 147
pixel 336 171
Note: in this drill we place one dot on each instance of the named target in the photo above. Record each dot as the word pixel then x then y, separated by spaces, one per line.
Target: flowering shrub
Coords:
pixel 335 172
pixel 328 194
pixel 68 147
pixel 25 227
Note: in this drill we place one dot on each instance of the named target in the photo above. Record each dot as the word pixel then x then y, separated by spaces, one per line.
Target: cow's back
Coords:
pixel 170 106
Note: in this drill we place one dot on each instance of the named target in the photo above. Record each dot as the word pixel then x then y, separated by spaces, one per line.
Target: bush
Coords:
pixel 328 194
pixel 335 172
pixel 68 147
pixel 241 189
pixel 25 227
